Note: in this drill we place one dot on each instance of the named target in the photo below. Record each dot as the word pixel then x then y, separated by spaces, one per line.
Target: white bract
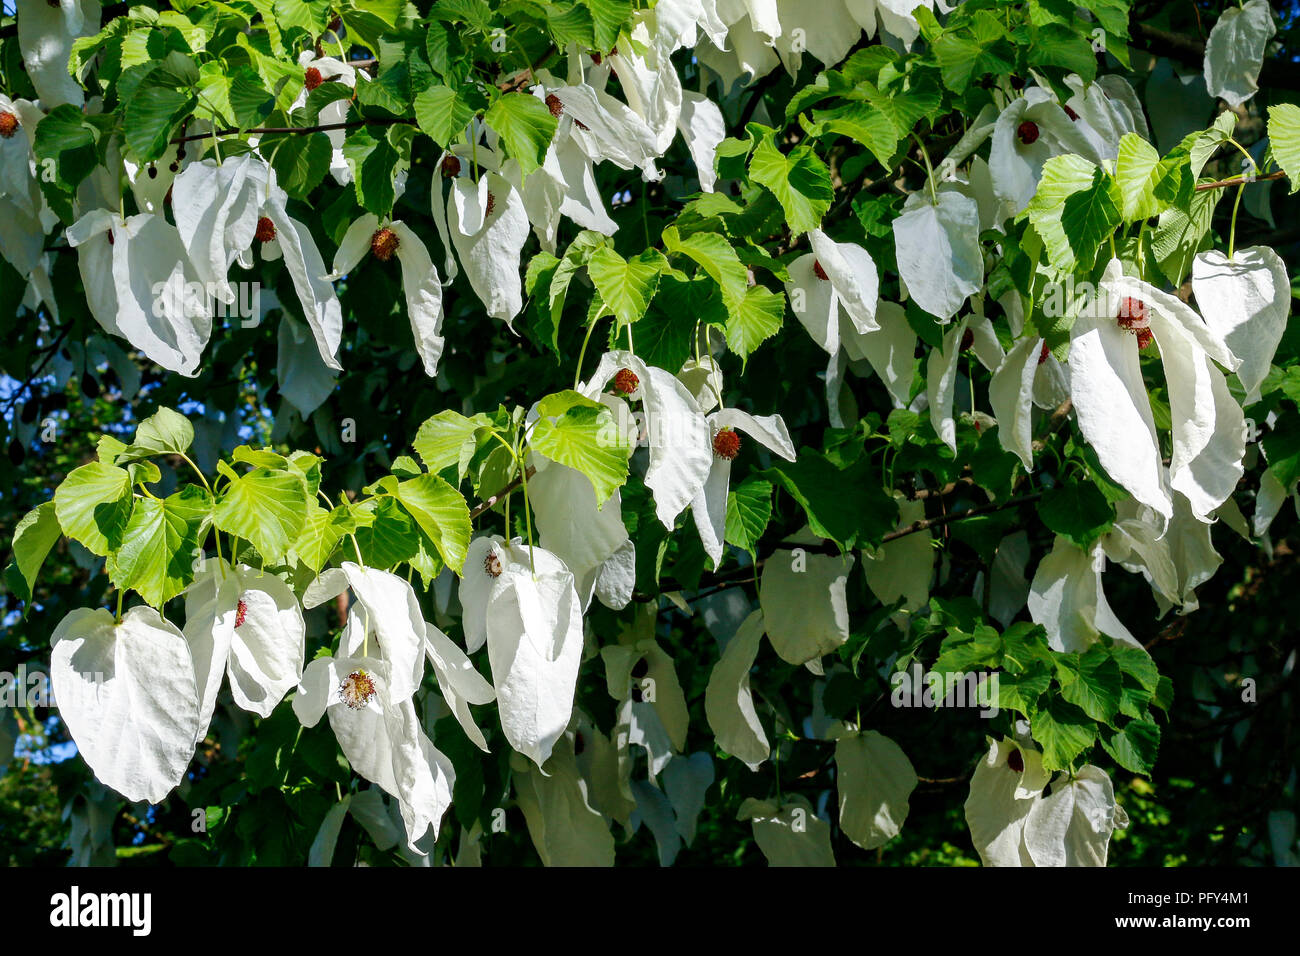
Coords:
pixel 710 504
pixel 128 695
pixel 676 431
pixel 1245 301
pixel 380 735
pixel 420 283
pixel 222 209
pixel 247 624
pixel 1115 412
pixel 522 603
pixel 1234 53
pixel 1030 131
pixel 938 250
pixel 141 285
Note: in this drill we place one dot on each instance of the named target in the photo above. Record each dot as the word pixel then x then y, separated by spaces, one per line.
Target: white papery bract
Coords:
pixel 1234 52
pixel 607 130
pixel 1000 801
pixel 1028 376
pixel 486 222
pixel 420 283
pixel 1066 598
pixel 710 505
pixel 381 737
pixel 728 701
pixel 247 624
pixel 128 695
pixel 45 35
pixel 1245 301
pixel 460 684
pixel 1016 166
pixel 678 434
pixel 1107 108
pixel 332 70
pixel 874 779
pixel 1073 824
pixel 805 600
pixel 571 525
pixel 141 285
pixel 530 616
pixel 217 208
pixel 939 256
pixel 1114 410
pixel 389 610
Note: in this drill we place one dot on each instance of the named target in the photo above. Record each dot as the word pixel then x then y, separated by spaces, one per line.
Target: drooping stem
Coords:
pixel 1232 232
pixel 577 375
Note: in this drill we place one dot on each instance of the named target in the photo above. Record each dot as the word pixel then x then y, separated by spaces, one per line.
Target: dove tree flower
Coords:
pixel 1114 409
pixel 521 601
pixel 1013 823
pixel 247 624
pixel 222 208
pixel 380 734
pixel 709 505
pixel 1031 130
pixel 420 283
pixel 139 284
pixel 328 69
pixel 1234 52
pixel 128 694
pixel 486 223
pixel 679 437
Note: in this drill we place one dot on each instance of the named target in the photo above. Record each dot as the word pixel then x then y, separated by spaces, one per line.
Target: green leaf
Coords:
pixel 800 182
pixel 749 509
pixel 300 161
pixel 441 512
pixel 249 99
pixel 265 507
pixel 846 505
pixel 525 125
pixel 165 432
pixel 608 17
pixel 1181 233
pixel 161 545
pixel 1061 46
pixel 716 256
pixel 1284 140
pixel 442 113
pixel 93 505
pixel 1138 170
pixel 33 538
pixel 390 537
pixel 754 319
pixel 1064 732
pixel 372 161
pixel 626 286
pixel 1135 746
pixel 442 440
pixel 320 535
pixel 1076 209
pixel 1091 681
pixel 586 439
pixel 1077 510
pixel 151 117
pixel 863 124
pixel 66 136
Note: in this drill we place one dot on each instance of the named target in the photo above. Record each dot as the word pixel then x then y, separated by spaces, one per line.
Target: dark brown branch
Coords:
pixel 491 502
pixel 1239 181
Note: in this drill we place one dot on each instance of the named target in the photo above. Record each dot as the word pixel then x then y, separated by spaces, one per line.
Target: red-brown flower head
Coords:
pixel 726 444
pixel 383 244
